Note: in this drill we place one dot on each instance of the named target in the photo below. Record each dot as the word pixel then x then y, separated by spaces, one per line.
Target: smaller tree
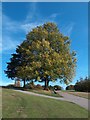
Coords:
pixel 83 85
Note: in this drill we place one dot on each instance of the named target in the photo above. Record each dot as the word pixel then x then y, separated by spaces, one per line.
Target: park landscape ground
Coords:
pixel 43 63
pixel 16 104
pixel 45 55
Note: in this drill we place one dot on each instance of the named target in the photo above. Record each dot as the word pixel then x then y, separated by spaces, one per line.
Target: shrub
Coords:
pixel 70 87
pixel 57 87
pixel 51 87
pixel 39 86
pixel 83 85
pixel 30 85
pixel 10 86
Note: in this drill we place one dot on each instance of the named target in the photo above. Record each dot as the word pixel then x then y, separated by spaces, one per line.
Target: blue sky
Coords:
pixel 20 17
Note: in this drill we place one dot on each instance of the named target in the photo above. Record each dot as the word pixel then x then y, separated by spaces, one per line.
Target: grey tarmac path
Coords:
pixel 83 102
pixel 36 94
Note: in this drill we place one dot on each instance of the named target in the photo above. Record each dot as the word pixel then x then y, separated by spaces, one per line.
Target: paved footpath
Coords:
pixel 83 102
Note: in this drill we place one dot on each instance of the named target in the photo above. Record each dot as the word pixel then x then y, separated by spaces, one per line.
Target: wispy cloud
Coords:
pixel 10 44
pixel 31 12
pixel 29 26
pixel 32 19
pixel 67 29
pixel 10 25
pixel 12 28
pixel 54 15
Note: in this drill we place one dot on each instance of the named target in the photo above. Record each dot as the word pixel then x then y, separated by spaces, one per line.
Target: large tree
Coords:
pixel 44 56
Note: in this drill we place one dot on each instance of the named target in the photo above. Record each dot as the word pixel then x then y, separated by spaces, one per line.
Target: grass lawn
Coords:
pixel 20 105
pixel 44 92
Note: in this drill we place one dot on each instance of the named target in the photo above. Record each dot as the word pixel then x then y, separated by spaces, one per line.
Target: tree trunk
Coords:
pixel 24 83
pixel 46 84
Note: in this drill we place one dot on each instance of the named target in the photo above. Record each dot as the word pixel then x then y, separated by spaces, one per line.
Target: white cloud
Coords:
pixel 54 15
pixel 67 29
pixel 10 44
pixel 34 19
pixel 29 23
pixel 31 12
pixel 29 26
pixel 13 28
pixel 10 25
pixel 9 28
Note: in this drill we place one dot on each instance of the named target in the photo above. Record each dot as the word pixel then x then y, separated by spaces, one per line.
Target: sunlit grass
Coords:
pixel 21 105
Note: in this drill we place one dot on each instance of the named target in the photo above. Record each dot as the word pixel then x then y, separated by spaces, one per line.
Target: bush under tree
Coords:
pixel 70 87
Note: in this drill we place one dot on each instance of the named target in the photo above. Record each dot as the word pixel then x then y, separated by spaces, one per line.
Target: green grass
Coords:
pixel 20 105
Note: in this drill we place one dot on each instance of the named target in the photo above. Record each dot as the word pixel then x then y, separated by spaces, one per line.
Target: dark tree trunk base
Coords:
pixel 46 84
pixel 24 83
pixel 46 89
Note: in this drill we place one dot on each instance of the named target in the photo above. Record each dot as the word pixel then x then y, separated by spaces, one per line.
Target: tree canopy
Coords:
pixel 44 56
